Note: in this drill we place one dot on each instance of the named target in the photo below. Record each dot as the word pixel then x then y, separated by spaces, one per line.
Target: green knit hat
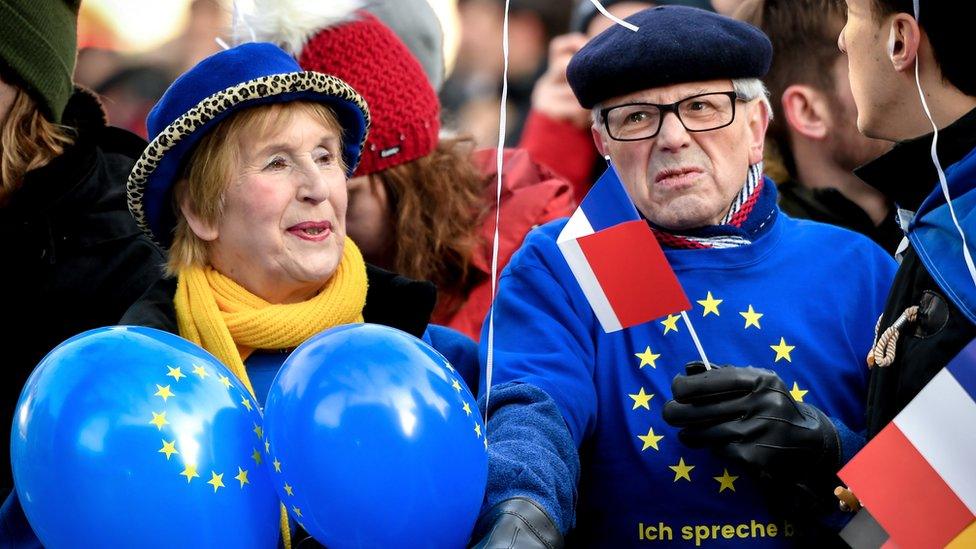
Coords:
pixel 38 43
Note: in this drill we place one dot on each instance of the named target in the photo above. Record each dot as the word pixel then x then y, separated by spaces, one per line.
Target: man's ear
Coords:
pixel 202 229
pixel 904 40
pixel 806 112
pixel 601 146
pixel 757 122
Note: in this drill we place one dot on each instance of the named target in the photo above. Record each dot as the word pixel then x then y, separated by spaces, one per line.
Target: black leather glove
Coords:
pixel 748 415
pixel 517 523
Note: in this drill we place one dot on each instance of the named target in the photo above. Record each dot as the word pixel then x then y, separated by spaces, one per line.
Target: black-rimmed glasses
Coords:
pixel 698 113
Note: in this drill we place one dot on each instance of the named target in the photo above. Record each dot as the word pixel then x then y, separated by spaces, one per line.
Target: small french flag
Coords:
pixel 617 261
pixel 917 475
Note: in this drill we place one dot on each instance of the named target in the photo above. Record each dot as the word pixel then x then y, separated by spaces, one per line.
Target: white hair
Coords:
pixel 746 89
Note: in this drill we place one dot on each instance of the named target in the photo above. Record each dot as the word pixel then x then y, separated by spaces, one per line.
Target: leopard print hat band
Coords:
pixel 244 76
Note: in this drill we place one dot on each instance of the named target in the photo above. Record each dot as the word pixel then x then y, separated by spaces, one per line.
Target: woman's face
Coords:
pixel 282 228
pixel 370 220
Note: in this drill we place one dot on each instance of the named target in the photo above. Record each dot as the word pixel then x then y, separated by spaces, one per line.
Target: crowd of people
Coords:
pixel 324 167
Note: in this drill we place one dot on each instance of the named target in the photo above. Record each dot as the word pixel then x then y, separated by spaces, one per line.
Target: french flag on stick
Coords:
pixel 617 260
pixel 918 475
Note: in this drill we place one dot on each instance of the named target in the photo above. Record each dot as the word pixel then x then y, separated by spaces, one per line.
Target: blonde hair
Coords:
pixel 28 141
pixel 212 164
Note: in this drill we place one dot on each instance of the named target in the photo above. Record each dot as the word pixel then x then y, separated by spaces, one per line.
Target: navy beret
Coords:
pixel 675 44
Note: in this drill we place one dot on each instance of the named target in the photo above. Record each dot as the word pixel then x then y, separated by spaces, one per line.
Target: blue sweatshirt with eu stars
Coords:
pixel 576 420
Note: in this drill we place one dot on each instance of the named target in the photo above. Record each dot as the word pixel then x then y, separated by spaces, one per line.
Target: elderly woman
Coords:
pixel 245 184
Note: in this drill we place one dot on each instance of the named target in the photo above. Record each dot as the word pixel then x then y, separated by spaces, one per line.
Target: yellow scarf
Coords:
pixel 218 314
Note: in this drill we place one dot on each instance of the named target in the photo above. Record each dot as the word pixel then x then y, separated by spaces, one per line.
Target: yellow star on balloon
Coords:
pixel 647 358
pixel 175 373
pixel 224 380
pixel 169 448
pixel 163 392
pixel 289 490
pixel 189 472
pixel 258 431
pixel 797 393
pixel 726 481
pixel 783 350
pixel 296 510
pixel 246 403
pixel 681 470
pixel 198 370
pixel 670 324
pixel 242 477
pixel 710 304
pixel 467 408
pixel 159 420
pixel 752 318
pixel 277 465
pixel 477 430
pixel 641 399
pixel 217 481
pixel 267 447
pixel 256 456
pixel 456 385
pixel 650 439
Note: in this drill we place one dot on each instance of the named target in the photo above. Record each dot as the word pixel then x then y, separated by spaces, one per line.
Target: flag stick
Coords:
pixel 694 337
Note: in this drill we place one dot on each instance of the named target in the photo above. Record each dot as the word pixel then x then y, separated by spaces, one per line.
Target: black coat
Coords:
pixel 73 256
pixel 906 175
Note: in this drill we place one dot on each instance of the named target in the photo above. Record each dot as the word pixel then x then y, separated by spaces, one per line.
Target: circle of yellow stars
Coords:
pixel 169 447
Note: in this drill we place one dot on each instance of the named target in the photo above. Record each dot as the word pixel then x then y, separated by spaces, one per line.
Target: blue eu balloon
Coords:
pixel 376 441
pixel 133 437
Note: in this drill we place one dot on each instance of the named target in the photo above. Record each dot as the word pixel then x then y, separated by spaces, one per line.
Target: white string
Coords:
pixel 613 17
pixel 220 42
pixel 694 337
pixel 967 256
pixel 499 161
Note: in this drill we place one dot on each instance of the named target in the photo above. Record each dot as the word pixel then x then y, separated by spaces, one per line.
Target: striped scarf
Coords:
pixel 751 213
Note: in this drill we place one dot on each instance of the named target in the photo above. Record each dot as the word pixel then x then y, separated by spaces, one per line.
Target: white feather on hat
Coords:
pixel 291 23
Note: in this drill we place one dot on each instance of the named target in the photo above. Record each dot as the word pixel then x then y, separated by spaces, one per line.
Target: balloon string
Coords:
pixel 499 164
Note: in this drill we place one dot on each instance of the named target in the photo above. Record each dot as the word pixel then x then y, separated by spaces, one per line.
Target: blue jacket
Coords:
pixel 576 413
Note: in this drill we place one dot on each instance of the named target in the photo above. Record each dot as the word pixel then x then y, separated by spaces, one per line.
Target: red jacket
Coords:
pixel 531 195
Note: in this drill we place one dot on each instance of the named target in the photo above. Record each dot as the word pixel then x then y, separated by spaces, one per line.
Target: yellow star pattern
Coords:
pixel 782 350
pixel 726 481
pixel 641 399
pixel 650 439
pixel 267 447
pixel 258 431
pixel 169 448
pixel 710 304
pixel 277 465
pixel 752 318
pixel 289 490
pixel 217 481
pixel 175 373
pixel 467 408
pixel 681 470
pixel 246 403
pixel 163 392
pixel 798 393
pixel 159 420
pixel 647 357
pixel 242 477
pixel 670 324
pixel 198 370
pixel 189 472
pixel 456 385
pixel 224 380
pixel 477 430
pixel 256 456
pixel 296 510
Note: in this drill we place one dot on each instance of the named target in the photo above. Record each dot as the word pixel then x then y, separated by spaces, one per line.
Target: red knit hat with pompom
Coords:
pixel 404 107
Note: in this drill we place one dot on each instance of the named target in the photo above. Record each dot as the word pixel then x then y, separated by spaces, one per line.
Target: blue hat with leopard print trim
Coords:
pixel 245 76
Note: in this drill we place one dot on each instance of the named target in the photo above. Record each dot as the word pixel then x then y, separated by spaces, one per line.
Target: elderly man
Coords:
pixel 577 438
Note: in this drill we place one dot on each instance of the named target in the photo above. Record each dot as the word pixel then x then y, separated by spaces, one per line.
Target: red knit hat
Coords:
pixel 335 38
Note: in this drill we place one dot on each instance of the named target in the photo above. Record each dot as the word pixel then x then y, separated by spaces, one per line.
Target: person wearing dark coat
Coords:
pixel 930 315
pixel 74 258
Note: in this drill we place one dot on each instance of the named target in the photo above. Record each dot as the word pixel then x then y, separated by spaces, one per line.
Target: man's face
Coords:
pixel 680 179
pixel 849 147
pixel 865 40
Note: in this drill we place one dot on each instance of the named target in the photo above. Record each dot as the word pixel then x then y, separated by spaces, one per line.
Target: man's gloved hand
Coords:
pixel 747 414
pixel 517 523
